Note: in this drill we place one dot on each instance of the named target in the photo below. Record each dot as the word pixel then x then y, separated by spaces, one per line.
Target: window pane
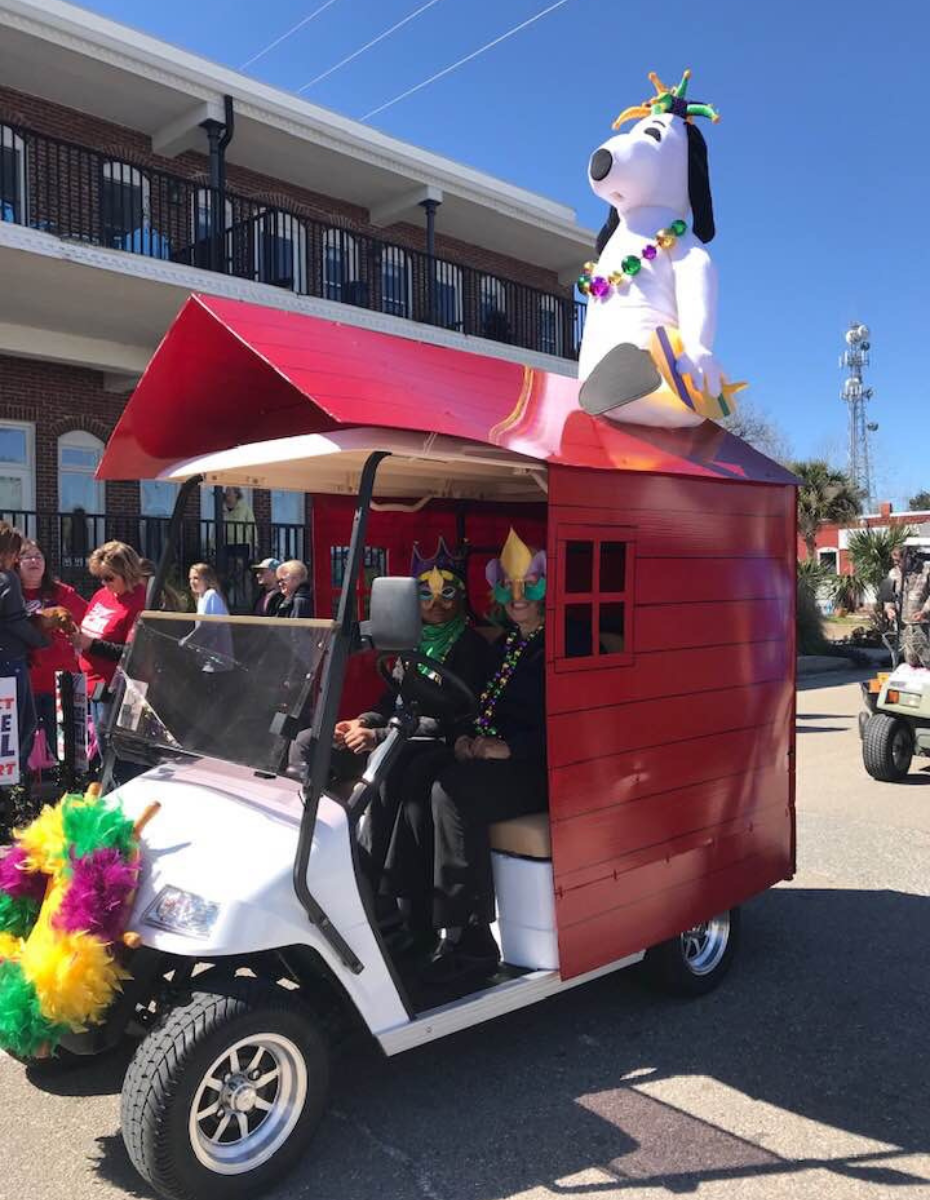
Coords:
pixel 122 203
pixel 375 564
pixel 613 566
pixel 78 491
pixel 12 497
pixel 579 567
pixel 9 184
pixel 610 628
pixel 287 508
pixel 158 498
pixel 338 556
pixel 12 445
pixel 578 630
pixel 78 457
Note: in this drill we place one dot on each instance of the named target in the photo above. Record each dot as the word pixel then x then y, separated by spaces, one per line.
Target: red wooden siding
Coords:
pixel 671 790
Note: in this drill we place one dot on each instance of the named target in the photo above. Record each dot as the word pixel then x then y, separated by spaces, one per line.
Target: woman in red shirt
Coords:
pixel 107 626
pixel 42 590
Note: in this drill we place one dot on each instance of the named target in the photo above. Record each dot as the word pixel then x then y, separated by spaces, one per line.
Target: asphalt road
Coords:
pixel 806 1074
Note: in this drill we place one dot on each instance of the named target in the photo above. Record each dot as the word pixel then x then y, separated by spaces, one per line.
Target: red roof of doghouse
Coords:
pixel 229 373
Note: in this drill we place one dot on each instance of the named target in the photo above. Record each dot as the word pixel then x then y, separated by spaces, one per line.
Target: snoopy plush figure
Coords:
pixel 647 352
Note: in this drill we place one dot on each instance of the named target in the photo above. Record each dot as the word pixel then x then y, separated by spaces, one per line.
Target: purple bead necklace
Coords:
pixel 515 647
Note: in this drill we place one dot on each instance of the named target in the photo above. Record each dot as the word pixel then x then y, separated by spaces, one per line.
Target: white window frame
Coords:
pixel 285 227
pixel 346 247
pixel 12 141
pixel 549 307
pixel 27 470
pixel 394 256
pixel 446 274
pixel 80 439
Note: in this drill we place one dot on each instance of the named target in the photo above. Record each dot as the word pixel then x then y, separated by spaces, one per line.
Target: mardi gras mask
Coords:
pixel 437 584
pixel 518 573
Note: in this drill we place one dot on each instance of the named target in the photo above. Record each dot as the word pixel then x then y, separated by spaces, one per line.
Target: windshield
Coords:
pixel 211 686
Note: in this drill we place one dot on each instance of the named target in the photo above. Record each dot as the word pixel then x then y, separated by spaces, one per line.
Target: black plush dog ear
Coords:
pixel 702 205
pixel 607 230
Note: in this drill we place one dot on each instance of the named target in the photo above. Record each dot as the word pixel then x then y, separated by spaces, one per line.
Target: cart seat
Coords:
pixel 526 836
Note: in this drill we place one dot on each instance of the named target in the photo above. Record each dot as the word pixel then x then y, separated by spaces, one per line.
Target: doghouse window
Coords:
pixel 374 564
pixel 594 597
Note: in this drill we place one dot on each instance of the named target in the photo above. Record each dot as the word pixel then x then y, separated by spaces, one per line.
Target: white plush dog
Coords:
pixel 647 351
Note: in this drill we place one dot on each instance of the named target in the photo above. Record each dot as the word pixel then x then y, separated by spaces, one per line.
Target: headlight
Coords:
pixel 182 913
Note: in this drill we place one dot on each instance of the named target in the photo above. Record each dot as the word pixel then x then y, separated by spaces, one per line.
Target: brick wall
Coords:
pixel 131 146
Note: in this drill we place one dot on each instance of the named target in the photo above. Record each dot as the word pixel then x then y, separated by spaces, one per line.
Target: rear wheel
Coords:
pixel 697 960
pixel 221 1098
pixel 887 748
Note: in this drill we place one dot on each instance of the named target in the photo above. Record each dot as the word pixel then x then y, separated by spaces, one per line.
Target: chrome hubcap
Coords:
pixel 248 1103
pixel 704 945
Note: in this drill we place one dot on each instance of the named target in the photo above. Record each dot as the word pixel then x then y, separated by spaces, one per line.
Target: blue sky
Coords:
pixel 820 164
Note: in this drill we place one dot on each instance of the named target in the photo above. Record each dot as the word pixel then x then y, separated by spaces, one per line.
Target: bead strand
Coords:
pixel 514 649
pixel 600 286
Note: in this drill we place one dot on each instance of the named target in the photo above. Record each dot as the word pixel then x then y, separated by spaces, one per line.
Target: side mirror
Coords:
pixel 394 623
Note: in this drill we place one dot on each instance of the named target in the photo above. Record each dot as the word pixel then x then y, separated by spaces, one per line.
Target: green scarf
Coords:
pixel 437 640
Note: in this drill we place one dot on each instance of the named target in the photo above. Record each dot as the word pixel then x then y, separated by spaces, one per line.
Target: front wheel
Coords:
pixel 221 1098
pixel 693 963
pixel 887 748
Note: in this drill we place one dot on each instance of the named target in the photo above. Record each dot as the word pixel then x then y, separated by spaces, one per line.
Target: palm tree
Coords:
pixel 870 552
pixel 825 496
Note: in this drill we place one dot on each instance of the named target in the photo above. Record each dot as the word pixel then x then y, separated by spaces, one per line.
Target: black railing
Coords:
pixel 83 195
pixel 68 539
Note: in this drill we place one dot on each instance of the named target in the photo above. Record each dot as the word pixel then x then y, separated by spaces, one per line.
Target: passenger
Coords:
pixel 439 861
pixel 447 638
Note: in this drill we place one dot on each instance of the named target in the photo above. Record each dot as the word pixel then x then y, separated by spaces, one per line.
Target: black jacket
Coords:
pixel 470 658
pixel 520 712
pixel 298 605
pixel 18 635
pixel 275 600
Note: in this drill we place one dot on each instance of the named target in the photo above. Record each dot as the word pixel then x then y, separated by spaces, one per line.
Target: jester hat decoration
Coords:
pixel 442 575
pixel 518 573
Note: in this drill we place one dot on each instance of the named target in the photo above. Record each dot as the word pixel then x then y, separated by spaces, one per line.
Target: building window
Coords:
pixel 396 282
pixel 288 520
pixel 80 496
pixel 125 207
pixel 594 609
pixel 17 470
pixel 340 269
pixel 280 251
pixel 447 295
pixel 830 559
pixel 156 504
pixel 492 310
pixel 203 202
pixel 550 326
pixel 12 176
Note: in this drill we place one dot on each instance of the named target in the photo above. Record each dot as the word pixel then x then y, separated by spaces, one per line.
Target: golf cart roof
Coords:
pixel 243 380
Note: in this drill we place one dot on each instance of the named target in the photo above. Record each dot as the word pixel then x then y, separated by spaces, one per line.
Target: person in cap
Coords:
pixel 447 638
pixel 269 596
pixel 439 860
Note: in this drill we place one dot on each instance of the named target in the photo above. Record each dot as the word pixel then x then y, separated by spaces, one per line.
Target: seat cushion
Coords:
pixel 527 836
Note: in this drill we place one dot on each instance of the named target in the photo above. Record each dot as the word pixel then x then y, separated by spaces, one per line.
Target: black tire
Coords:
pixel 695 962
pixel 887 748
pixel 167 1081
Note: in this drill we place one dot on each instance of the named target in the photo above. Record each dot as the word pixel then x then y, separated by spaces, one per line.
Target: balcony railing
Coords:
pixel 83 195
pixel 68 539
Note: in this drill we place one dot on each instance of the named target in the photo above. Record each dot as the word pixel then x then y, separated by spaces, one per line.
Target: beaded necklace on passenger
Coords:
pixel 515 647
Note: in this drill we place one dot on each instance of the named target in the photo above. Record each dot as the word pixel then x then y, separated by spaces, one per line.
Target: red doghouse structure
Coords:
pixel 671 729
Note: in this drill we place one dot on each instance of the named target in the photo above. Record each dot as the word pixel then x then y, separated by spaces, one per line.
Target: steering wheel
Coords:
pixel 449 696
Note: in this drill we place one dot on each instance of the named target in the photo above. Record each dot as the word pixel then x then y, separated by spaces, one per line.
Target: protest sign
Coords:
pixel 9 734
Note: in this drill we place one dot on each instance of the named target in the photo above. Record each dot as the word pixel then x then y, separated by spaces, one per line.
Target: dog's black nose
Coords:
pixel 601 162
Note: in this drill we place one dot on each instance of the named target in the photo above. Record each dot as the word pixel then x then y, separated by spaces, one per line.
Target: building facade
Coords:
pixel 832 541
pixel 133 173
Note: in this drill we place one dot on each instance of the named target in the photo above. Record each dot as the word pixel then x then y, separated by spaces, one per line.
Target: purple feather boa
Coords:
pixel 19 883
pixel 96 899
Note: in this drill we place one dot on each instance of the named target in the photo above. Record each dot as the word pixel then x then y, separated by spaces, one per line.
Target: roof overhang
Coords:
pixel 230 375
pixel 98 66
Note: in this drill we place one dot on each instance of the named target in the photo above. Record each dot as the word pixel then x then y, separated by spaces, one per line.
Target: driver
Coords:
pixel 439 860
pixel 447 638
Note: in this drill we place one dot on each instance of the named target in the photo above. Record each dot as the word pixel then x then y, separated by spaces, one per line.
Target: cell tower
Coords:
pixel 853 359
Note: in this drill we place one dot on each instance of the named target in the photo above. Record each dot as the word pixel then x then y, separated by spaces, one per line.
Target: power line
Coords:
pixel 284 36
pixel 461 62
pixel 368 45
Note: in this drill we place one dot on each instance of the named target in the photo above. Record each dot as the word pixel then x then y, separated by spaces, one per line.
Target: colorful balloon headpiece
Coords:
pixel 516 564
pixel 667 100
pixel 442 575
